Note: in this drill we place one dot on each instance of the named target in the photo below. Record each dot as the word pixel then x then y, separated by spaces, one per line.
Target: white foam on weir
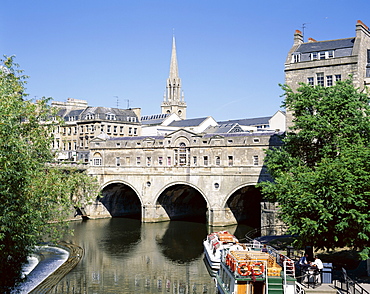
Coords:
pixel 37 270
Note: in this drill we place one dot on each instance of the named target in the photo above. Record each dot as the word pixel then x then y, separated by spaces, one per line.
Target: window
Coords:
pixel 114 129
pixel 138 160
pixel 118 144
pixel 320 79
pixel 296 57
pixel 256 140
pixel 160 160
pixel 169 160
pixel 69 145
pixel 102 128
pixel 195 160
pixel 130 131
pixel 121 129
pixel 231 160
pixel 149 161
pixel 322 55
pixel 110 116
pixel 135 131
pixel 255 160
pixel 310 81
pixel 108 129
pixel 218 160
pixel 97 161
pixel 338 78
pixel 313 55
pixel 181 155
pixel 329 81
pixel 205 160
pixel 118 163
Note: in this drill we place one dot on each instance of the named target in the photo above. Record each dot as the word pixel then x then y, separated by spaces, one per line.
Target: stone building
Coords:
pixel 325 62
pixel 83 123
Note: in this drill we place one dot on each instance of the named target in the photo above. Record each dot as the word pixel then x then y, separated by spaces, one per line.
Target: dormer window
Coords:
pixel 296 57
pixel 89 116
pixel 313 55
pixel 110 116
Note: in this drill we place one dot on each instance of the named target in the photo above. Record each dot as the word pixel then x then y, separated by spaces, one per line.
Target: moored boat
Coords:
pixel 248 270
pixel 215 244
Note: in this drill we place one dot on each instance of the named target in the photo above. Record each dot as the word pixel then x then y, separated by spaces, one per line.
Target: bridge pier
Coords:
pixel 220 217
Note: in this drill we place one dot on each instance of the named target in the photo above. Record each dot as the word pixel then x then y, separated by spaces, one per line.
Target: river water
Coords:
pixel 127 256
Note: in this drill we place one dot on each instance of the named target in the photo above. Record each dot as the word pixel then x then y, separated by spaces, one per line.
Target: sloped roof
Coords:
pixel 193 122
pixel 154 119
pixel 224 128
pixel 247 121
pixel 326 45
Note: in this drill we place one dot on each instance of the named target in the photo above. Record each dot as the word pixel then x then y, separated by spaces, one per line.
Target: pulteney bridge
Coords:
pixel 182 175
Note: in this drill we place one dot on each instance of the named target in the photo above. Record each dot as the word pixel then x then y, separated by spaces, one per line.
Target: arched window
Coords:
pixel 97 159
pixel 182 155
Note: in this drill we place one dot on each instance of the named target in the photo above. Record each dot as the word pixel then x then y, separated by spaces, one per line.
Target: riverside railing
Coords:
pixel 347 285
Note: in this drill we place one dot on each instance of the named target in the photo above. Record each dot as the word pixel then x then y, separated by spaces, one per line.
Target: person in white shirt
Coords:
pixel 317 263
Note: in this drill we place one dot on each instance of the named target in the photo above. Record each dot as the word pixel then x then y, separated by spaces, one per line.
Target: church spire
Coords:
pixel 174 70
pixel 174 97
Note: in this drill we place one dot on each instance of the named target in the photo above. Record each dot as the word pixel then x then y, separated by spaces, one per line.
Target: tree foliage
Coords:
pixel 322 173
pixel 34 196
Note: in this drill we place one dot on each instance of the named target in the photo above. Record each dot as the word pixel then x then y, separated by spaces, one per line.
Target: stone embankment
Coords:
pixel 75 255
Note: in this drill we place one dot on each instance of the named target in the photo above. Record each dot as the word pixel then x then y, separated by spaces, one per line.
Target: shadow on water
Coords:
pixel 120 236
pixel 183 241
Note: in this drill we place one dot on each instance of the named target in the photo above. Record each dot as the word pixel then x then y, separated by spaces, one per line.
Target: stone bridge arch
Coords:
pixel 181 200
pixel 243 204
pixel 120 199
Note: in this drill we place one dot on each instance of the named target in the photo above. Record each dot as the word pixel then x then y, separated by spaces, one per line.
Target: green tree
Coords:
pixel 321 175
pixel 34 196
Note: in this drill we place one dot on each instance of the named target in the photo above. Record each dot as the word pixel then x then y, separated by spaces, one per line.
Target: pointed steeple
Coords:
pixel 173 101
pixel 174 70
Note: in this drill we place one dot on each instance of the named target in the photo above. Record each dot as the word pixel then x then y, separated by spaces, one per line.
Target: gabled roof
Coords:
pixel 326 45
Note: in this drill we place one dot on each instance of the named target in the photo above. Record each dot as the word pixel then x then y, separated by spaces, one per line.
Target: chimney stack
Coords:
pixel 298 37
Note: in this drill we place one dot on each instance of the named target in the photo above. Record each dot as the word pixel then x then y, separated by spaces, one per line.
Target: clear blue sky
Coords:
pixel 231 54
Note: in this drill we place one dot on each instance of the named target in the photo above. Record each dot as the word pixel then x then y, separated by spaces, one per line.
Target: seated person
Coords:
pixel 303 262
pixel 317 263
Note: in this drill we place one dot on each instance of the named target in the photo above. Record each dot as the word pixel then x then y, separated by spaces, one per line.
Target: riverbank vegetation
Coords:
pixel 34 196
pixel 322 173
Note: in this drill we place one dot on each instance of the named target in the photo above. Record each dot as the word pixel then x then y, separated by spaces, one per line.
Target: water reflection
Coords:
pixel 126 256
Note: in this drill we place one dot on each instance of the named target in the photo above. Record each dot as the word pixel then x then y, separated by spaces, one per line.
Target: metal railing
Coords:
pixel 347 285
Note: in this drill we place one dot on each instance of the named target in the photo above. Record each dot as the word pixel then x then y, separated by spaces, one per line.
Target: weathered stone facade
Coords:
pixel 325 62
pixel 222 168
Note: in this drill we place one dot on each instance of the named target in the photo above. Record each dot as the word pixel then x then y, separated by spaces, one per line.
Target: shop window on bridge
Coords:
pixel 205 160
pixel 97 159
pixel 160 160
pixel 218 160
pixel 182 155
pixel 169 160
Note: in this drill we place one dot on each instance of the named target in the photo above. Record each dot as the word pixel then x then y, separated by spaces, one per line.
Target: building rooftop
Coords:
pixel 317 46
